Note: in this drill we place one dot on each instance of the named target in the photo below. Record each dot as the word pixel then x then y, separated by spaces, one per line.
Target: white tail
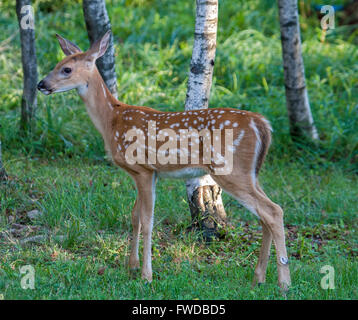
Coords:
pixel 228 144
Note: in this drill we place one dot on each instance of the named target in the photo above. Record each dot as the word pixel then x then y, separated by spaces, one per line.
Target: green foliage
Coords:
pixel 153 49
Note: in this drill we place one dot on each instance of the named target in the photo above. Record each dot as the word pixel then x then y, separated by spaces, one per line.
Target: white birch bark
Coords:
pixel 204 195
pixel 298 107
pixel 98 23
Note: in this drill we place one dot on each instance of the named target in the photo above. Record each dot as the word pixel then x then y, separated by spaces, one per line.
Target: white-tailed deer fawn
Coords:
pixel 155 152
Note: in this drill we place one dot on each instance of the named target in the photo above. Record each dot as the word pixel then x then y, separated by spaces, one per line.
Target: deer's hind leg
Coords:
pixel 240 185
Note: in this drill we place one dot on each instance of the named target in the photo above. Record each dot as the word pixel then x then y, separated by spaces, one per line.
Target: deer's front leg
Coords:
pixel 260 271
pixel 146 200
pixel 134 258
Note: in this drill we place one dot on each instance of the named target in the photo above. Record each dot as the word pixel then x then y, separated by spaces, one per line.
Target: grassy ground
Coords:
pixel 86 203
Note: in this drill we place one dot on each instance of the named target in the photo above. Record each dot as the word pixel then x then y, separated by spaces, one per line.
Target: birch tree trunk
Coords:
pixel 97 23
pixel 25 16
pixel 298 107
pixel 204 195
pixel 3 175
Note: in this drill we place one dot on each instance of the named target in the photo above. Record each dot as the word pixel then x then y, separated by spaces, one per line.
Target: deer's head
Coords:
pixel 74 71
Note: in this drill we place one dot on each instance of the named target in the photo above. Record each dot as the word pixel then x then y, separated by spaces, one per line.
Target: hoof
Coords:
pixel 134 273
pixel 134 265
pixel 284 286
pixel 147 278
pixel 257 282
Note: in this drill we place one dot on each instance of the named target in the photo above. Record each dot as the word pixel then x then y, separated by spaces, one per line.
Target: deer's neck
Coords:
pixel 99 103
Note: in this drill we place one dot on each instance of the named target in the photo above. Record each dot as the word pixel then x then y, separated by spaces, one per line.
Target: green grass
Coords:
pixel 89 205
pixel 86 202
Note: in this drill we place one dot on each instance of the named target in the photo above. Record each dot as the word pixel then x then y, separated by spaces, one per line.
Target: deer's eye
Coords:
pixel 67 70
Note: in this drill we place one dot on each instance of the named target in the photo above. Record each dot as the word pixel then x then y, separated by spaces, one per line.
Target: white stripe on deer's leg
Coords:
pixel 245 204
pixel 147 265
pixel 257 149
pixel 104 90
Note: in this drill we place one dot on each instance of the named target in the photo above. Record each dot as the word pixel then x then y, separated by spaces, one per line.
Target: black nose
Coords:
pixel 41 85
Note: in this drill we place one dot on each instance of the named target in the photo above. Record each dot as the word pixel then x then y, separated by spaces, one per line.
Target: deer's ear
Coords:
pixel 99 48
pixel 67 46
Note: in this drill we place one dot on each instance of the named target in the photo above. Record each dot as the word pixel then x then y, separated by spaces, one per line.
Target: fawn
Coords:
pixel 154 152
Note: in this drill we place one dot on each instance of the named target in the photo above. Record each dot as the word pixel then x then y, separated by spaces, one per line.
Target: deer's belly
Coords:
pixel 185 173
